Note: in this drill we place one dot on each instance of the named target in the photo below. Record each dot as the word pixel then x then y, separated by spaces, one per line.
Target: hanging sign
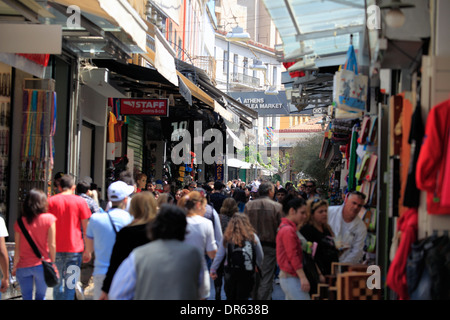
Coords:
pixel 145 107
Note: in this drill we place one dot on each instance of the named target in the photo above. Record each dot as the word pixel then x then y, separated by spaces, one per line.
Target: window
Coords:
pixel 245 66
pixel 274 76
pixel 180 48
pixel 225 60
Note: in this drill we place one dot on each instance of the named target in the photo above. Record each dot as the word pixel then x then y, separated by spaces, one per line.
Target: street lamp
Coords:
pixel 236 34
pixel 395 17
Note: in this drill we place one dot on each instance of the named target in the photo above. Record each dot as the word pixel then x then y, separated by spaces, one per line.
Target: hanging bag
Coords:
pixel 351 87
pixel 50 275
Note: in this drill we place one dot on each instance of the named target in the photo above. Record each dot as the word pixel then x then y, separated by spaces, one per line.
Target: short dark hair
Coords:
pixel 66 182
pixel 170 223
pixel 218 185
pixel 239 195
pixel 357 193
pixel 83 187
pixel 291 201
pixel 282 190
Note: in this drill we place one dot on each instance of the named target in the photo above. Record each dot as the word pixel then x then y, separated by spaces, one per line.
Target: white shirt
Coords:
pixel 352 234
pixel 3 230
pixel 200 233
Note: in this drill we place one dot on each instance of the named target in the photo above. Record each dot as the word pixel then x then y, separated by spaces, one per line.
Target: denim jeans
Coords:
pixel 292 289
pixel 32 277
pixel 68 264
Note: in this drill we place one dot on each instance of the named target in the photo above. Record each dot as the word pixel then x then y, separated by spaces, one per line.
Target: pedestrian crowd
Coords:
pixel 150 240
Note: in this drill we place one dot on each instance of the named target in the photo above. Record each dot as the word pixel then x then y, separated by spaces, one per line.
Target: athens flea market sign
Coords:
pixel 262 103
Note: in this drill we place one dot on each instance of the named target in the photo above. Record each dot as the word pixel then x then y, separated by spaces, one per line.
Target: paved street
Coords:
pixel 276 295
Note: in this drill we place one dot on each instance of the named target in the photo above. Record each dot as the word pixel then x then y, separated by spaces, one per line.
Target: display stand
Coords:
pixel 38 128
pixel 5 129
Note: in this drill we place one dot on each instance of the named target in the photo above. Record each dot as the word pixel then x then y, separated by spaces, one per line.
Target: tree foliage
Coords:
pixel 306 161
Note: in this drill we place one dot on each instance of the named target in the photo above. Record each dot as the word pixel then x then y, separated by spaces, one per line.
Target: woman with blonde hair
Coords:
pixel 243 253
pixel 318 230
pixel 199 233
pixel 143 208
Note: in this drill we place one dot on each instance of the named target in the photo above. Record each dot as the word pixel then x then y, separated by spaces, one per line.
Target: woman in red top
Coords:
pixel 41 227
pixel 293 280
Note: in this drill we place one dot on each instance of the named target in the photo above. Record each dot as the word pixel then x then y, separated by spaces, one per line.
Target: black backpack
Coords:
pixel 241 258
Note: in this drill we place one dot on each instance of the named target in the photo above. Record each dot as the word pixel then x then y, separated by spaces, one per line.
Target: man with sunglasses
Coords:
pixel 349 230
pixel 310 189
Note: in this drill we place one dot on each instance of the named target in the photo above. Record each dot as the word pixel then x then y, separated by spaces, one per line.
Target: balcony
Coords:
pixel 240 78
pixel 206 63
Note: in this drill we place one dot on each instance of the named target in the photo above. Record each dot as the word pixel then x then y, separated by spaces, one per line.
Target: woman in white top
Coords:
pixel 199 233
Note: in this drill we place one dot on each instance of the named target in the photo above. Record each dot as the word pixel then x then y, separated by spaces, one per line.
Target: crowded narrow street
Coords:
pixel 243 151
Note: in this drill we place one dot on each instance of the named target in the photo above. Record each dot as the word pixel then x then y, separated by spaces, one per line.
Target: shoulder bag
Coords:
pixel 50 275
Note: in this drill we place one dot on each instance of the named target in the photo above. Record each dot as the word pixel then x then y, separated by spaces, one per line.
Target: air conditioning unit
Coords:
pixel 98 80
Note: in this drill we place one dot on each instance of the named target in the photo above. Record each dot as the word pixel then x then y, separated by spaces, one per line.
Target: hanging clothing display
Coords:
pixel 411 197
pixel 396 277
pixel 433 174
pixel 37 146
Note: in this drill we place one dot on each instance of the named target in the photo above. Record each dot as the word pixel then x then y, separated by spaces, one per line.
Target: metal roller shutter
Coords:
pixel 135 140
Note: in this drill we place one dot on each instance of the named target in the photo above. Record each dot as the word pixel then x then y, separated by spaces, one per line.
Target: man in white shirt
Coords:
pixel 102 230
pixel 349 230
pixel 4 258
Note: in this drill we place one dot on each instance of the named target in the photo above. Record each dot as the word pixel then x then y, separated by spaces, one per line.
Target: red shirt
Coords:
pixel 396 276
pixel 289 248
pixel 70 210
pixel 38 230
pixel 432 175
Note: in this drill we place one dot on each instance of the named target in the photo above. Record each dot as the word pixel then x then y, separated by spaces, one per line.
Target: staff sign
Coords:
pixel 146 107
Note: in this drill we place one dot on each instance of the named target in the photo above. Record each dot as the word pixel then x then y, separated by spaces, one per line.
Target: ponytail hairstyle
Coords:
pixel 189 201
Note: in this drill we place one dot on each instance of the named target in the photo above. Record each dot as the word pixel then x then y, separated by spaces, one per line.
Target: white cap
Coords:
pixel 119 190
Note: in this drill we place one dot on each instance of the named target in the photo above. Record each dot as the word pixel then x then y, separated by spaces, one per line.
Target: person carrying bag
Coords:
pixel 50 274
pixel 35 247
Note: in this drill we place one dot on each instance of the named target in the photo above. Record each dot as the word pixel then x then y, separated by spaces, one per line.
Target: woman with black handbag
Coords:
pixel 40 226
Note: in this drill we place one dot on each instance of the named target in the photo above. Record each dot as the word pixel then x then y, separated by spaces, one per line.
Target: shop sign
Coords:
pixel 219 172
pixel 320 110
pixel 265 105
pixel 145 107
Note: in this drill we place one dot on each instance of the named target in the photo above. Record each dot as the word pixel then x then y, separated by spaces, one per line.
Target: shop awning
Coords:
pixel 324 26
pixel 133 71
pixel 117 12
pixel 236 141
pixel 236 163
pixel 197 92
